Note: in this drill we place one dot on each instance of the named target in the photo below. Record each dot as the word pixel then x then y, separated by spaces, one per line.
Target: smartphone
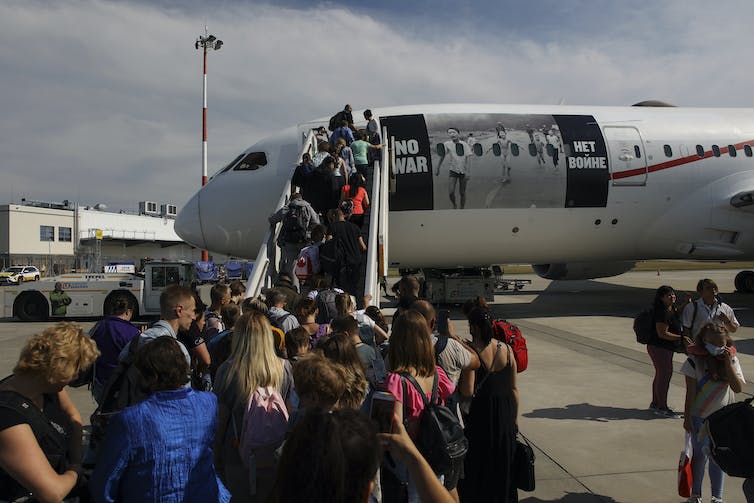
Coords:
pixel 382 411
pixel 442 321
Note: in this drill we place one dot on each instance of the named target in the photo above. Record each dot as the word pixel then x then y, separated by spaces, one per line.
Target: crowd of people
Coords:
pixel 260 399
pixel 272 398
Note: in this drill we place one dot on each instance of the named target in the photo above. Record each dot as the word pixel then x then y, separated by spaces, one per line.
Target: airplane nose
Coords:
pixel 188 224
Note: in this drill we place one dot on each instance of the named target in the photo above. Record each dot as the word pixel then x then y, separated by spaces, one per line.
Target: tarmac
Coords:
pixel 584 398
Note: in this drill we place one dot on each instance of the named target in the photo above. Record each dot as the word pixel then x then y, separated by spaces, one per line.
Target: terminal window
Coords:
pixel 64 234
pixel 46 233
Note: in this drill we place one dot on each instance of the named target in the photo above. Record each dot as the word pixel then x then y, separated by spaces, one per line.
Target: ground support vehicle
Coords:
pixel 90 294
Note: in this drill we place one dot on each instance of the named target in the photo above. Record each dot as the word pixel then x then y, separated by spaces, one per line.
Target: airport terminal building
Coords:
pixel 60 237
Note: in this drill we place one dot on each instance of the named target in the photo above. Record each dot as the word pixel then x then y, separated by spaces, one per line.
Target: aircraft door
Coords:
pixel 627 158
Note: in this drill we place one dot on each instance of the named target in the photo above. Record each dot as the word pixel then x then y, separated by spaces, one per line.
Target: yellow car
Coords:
pixel 16 274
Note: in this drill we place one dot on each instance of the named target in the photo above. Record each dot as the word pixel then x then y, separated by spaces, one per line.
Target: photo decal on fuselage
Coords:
pixel 485 161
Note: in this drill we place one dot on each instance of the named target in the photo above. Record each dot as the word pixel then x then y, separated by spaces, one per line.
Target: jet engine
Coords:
pixel 581 270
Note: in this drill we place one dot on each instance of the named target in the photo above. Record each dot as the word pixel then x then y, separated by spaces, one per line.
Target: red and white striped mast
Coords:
pixel 205 42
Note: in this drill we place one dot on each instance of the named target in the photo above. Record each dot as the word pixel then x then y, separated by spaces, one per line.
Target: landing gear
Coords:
pixel 745 282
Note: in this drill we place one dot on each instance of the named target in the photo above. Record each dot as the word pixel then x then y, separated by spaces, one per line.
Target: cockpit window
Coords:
pixel 231 164
pixel 251 162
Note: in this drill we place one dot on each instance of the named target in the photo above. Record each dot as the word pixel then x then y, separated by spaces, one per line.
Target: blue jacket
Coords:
pixel 342 132
pixel 159 451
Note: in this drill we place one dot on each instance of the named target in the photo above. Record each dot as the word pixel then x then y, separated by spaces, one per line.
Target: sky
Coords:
pixel 101 100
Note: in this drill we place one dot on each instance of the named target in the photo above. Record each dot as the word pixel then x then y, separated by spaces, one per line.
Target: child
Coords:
pixel 713 377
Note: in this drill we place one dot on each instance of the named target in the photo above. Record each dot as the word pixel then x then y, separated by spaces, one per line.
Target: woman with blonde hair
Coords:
pixel 253 364
pixel 40 428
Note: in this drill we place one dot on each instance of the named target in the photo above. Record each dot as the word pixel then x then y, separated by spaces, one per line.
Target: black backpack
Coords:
pixel 335 120
pixel 295 225
pixel 731 431
pixel 120 390
pixel 326 310
pixel 644 325
pixel 441 440
pixel 331 256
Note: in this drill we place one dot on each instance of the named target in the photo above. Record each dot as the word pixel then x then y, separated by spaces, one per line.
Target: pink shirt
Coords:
pixel 413 406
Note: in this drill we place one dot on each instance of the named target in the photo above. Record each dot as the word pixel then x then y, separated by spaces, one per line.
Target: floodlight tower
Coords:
pixel 205 42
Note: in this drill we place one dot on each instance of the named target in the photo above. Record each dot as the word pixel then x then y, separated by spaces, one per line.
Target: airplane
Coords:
pixel 580 192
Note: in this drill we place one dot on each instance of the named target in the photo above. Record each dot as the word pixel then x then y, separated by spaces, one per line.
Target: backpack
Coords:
pixel 731 431
pixel 304 268
pixel 644 326
pixel 331 257
pixel 295 225
pixel 511 335
pixel 265 423
pixel 326 310
pixel 335 120
pixel 441 440
pixel 120 390
pixel 278 322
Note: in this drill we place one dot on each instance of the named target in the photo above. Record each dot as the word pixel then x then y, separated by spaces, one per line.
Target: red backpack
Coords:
pixel 511 335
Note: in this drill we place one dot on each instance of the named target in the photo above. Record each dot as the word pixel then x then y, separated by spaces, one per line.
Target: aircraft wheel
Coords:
pixel 31 306
pixel 744 282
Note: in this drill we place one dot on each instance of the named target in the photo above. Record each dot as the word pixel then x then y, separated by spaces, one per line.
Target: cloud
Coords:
pixel 102 100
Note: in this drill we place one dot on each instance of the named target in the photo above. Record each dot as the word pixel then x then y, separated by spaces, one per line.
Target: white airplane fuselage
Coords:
pixel 543 185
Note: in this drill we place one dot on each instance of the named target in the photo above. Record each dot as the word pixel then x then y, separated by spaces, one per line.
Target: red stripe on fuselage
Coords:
pixel 675 162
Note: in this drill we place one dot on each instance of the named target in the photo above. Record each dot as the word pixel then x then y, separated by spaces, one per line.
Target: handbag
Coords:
pixel 523 465
pixel 684 469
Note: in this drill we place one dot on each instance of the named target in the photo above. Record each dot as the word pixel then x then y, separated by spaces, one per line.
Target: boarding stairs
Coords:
pixel 267 262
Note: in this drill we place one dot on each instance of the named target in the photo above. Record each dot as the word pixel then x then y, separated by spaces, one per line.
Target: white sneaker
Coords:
pixel 716 500
pixel 694 499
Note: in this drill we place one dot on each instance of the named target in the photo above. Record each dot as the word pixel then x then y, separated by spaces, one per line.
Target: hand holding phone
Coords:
pixel 382 411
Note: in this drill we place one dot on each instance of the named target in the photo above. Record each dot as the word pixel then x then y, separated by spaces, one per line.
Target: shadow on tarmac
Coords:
pixel 573 498
pixel 589 412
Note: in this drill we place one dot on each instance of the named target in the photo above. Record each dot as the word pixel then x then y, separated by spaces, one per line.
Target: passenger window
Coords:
pixel 747 150
pixel 700 151
pixel 440 149
pixel 715 150
pixel 732 150
pixel 637 151
pixel 496 149
pixel 231 164
pixel 514 149
pixel 478 149
pixel 532 150
pixel 459 149
pixel 550 150
pixel 668 151
pixel 252 161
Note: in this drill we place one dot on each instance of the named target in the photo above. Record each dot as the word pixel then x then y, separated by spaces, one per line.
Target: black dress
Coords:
pixel 491 431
